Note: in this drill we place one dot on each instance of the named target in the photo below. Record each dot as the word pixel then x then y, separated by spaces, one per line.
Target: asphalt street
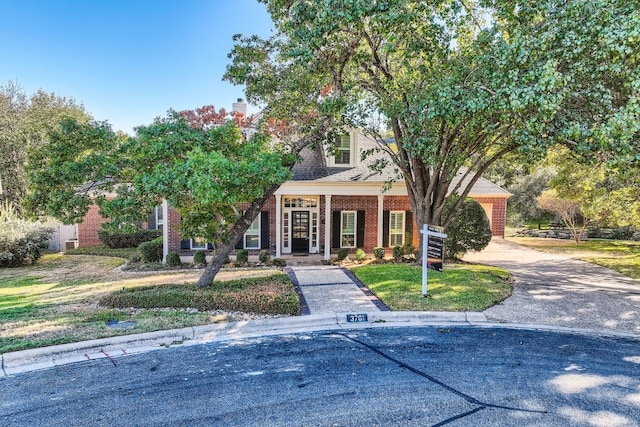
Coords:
pixel 420 376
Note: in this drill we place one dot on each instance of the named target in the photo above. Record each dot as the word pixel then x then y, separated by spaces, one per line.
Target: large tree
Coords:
pixel 460 83
pixel 200 163
pixel 24 123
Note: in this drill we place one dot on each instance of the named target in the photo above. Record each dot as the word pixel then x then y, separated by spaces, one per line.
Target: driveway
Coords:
pixel 557 290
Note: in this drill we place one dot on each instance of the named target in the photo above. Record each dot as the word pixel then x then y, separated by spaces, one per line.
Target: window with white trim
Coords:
pixel 252 235
pixel 396 228
pixel 159 217
pixel 198 243
pixel 343 150
pixel 348 229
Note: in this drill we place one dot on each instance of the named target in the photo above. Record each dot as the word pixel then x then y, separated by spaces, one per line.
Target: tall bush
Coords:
pixel 470 230
pixel 21 241
pixel 151 251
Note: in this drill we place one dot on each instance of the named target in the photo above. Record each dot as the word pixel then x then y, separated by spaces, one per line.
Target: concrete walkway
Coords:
pixel 331 289
pixel 556 290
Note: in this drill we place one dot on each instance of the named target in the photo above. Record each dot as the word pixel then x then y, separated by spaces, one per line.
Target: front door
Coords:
pixel 300 231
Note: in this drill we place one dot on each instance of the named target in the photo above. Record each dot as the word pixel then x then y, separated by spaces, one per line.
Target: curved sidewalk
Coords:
pixel 556 290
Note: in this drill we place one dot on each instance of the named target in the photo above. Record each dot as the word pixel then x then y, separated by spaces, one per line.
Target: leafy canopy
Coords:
pixel 460 84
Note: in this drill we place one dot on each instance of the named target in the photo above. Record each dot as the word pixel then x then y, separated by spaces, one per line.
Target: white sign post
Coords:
pixel 427 231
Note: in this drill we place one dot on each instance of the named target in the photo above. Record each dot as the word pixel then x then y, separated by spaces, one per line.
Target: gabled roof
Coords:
pixel 313 168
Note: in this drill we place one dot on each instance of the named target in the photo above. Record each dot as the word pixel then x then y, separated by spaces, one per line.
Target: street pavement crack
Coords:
pixel 470 399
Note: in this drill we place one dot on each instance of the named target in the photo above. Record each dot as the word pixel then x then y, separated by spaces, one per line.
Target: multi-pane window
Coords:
pixel 252 235
pixel 396 228
pixel 159 217
pixel 198 243
pixel 343 150
pixel 348 229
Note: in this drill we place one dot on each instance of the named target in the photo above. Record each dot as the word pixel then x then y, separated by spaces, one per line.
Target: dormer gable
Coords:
pixel 343 152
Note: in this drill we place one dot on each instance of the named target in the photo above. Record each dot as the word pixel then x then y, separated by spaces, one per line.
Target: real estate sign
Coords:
pixel 432 251
pixel 435 248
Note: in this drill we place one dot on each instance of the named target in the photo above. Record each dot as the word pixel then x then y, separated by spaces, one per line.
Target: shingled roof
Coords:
pixel 313 168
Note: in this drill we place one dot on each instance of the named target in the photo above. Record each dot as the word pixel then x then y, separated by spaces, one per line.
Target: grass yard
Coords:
pixel 619 255
pixel 66 298
pixel 460 287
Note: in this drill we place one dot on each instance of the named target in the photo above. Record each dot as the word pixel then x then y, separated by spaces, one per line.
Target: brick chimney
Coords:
pixel 240 107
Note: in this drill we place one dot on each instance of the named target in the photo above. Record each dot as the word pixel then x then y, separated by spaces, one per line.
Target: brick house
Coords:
pixel 333 201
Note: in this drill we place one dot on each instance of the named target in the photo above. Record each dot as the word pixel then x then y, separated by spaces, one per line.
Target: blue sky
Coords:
pixel 126 61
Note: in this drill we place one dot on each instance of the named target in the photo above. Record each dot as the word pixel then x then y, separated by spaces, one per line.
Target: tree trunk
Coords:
pixel 221 256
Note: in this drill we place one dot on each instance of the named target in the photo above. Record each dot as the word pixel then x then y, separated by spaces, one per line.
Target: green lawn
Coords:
pixel 619 255
pixel 460 287
pixel 65 299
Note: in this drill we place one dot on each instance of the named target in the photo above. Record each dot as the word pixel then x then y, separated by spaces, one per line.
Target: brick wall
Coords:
pixel 369 204
pixel 88 228
pixel 498 213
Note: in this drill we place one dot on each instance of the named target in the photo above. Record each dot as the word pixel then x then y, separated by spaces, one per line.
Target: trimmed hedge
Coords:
pixel 263 295
pixel 127 240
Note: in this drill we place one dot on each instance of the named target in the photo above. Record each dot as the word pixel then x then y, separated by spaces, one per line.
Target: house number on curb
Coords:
pixel 357 317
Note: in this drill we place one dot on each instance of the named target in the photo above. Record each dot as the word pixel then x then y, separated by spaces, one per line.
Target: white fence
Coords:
pixel 61 234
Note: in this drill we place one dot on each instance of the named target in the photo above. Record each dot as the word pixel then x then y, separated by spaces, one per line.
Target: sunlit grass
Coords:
pixel 619 255
pixel 56 301
pixel 460 287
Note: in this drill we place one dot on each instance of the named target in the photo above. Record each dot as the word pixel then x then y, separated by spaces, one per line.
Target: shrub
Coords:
pixel 120 239
pixel 342 254
pixel 173 259
pixel 378 253
pixel 279 262
pixel 242 256
pixel 21 241
pixel 264 257
pixel 200 258
pixel 470 230
pixel 151 251
pixel 408 249
pixel 360 255
pixel 397 252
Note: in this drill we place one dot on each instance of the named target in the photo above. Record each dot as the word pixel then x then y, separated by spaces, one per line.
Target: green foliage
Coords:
pixel 200 258
pixel 343 253
pixel 64 175
pixel 115 239
pixel 169 159
pixel 470 231
pixel 131 254
pixel 21 241
pixel 173 259
pixel 396 252
pixel 151 251
pixel 24 122
pixel 378 253
pixel 242 256
pixel 264 256
pixel 278 262
pixel 360 255
pixel 266 295
pixel 460 84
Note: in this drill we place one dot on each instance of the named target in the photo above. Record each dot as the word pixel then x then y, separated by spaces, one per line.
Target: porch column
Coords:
pixel 380 219
pixel 165 230
pixel 278 225
pixel 327 226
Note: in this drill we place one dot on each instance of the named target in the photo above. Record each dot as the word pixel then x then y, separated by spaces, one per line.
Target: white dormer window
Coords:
pixel 342 151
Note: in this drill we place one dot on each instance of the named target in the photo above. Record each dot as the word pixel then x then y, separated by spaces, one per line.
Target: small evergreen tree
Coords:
pixel 469 231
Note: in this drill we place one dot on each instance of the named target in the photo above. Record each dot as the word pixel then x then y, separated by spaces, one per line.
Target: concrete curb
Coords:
pixel 109 349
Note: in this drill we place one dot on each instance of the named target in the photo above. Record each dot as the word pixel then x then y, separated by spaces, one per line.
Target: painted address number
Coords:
pixel 357 317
